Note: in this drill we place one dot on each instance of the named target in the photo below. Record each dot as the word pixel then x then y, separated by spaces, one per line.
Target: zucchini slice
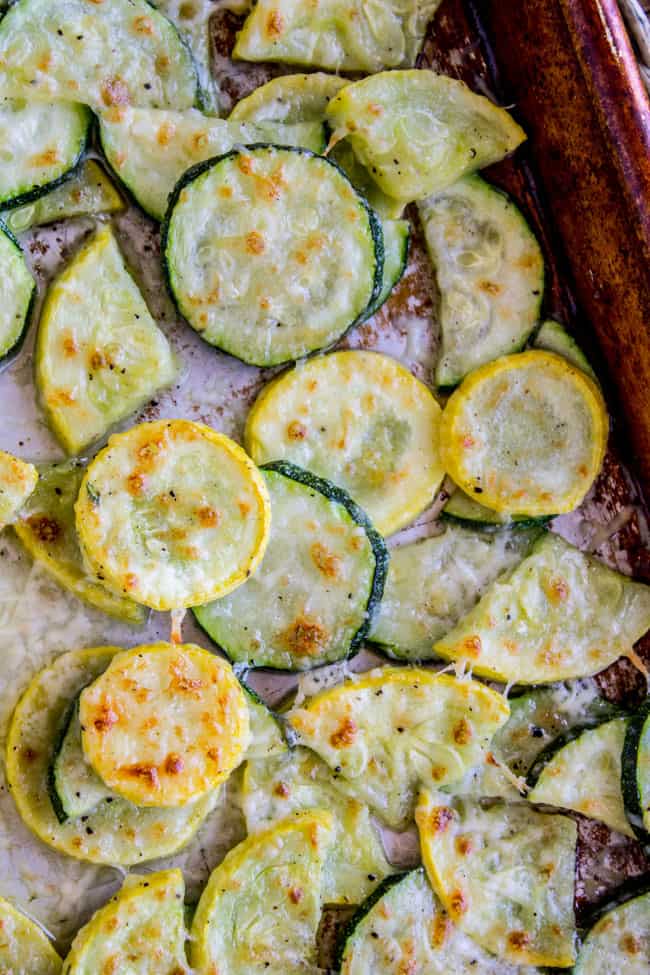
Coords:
pixel 25 949
pixel 114 832
pixel 554 338
pixel 193 23
pixel 75 789
pixel 392 729
pixel 619 941
pixel 119 53
pixel 470 512
pixel 271 253
pixel 397 236
pixel 88 192
pixel 583 773
pixel 314 597
pixel 635 779
pixel 376 438
pixel 433 583
pixel 505 874
pixel 403 928
pixel 299 781
pixel 41 143
pixel 418 132
pixel 18 480
pixel 259 913
pixel 289 99
pixel 266 736
pixel 558 614
pixel 17 292
pixel 172 514
pixel 490 274
pixel 150 150
pixel 340 35
pixel 164 724
pixel 99 353
pixel 141 929
pixel 47 530
pixel 526 434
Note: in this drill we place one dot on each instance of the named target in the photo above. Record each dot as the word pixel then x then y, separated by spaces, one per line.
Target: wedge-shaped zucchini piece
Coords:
pixel 289 98
pixel 396 234
pixel 341 35
pixel 467 511
pixel 419 132
pixel 150 150
pixel 47 530
pixel 559 614
pixel 490 273
pixel 619 941
pixel 260 911
pixel 75 788
pixel 41 143
pixel 164 724
pixel 271 253
pixel 24 947
pixel 525 434
pixel 505 875
pixel 385 206
pixel 115 832
pixel 173 514
pixel 118 53
pixel 99 353
pixel 403 928
pixel 635 778
pixel 299 781
pixel 554 338
pixel 193 23
pixel 314 596
pixel 87 192
pixel 18 480
pixel 583 773
pixel 266 735
pixel 432 584
pixel 376 438
pixel 141 929
pixel 17 291
pixel 393 729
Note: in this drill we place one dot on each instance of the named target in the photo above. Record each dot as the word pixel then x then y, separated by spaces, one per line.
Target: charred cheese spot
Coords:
pixel 46 529
pixel 324 560
pixel 304 637
pixel 115 92
pixel 345 734
pixel 274 24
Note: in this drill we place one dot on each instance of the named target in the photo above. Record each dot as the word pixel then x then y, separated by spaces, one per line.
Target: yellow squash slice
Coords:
pixel 259 913
pixel 377 437
pixel 504 874
pixel 164 724
pixel 525 434
pixel 17 481
pixel 141 930
pixel 115 832
pixel 173 514
pixel 24 947
pixel 393 730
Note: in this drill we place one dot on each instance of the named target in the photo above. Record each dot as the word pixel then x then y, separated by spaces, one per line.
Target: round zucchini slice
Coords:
pixel 116 831
pixel 635 779
pixel 314 596
pixel 172 514
pixel 164 724
pixel 41 143
pixel 25 949
pixel 361 420
pixel 271 253
pixel 18 479
pixel 290 98
pixel 260 911
pixel 525 434
pixel 17 291
pixel 619 941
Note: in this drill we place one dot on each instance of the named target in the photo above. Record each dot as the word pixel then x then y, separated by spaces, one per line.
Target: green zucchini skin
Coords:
pixel 465 510
pixel 632 798
pixel 57 805
pixel 625 898
pixel 362 910
pixel 396 253
pixel 550 751
pixel 14 349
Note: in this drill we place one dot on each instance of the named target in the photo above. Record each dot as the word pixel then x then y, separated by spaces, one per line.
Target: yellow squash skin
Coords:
pixel 17 481
pixel 24 948
pixel 164 724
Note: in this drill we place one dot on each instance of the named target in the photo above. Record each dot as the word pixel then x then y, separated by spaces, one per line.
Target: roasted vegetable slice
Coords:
pixel 193 23
pixel 115 832
pixel 432 583
pixel 75 789
pixel 99 353
pixel 418 132
pixel 525 434
pixel 299 781
pixel 86 193
pixel 24 947
pixel 554 338
pixel 467 511
pixel 18 480
pixel 260 911
pixel 377 438
pixel 173 514
pixel 559 614
pixel 289 99
pixel 17 291
pixel 314 596
pixel 619 941
pixel 47 530
pixel 393 729
pixel 490 274
pixel 271 253
pixel 397 235
pixel 150 150
pixel 118 53
pixel 267 737
pixel 635 778
pixel 505 874
pixel 141 929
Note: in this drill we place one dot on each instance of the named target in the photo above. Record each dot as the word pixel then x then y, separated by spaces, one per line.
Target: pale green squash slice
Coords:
pixel 289 99
pixel 267 739
pixel 192 19
pixel 18 480
pixel 75 788
pixel 619 941
pixel 25 949
pixel 17 292
pixel 554 338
